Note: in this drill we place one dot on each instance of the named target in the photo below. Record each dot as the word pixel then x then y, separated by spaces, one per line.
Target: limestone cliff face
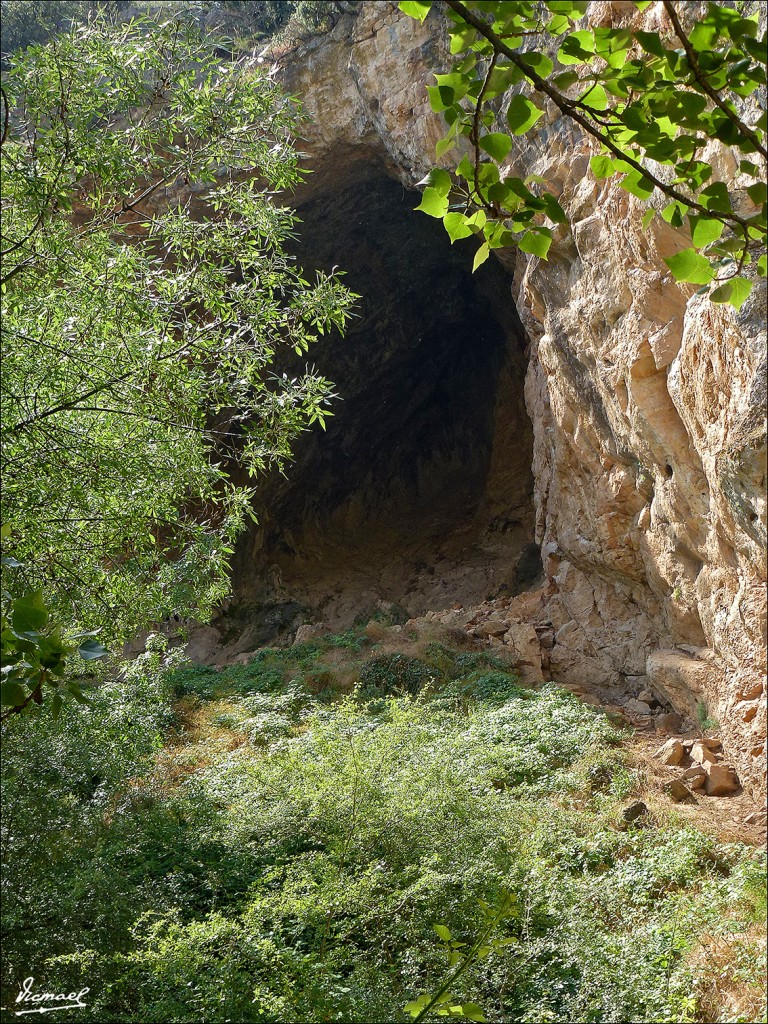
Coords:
pixel 647 401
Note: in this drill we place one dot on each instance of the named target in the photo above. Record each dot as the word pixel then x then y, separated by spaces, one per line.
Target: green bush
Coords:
pixel 394 674
pixel 298 876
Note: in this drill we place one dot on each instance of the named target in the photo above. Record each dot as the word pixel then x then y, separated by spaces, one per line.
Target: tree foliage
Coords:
pixel 28 22
pixel 653 102
pixel 146 294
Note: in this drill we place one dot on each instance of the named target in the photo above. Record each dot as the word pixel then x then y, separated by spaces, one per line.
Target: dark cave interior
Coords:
pixel 419 493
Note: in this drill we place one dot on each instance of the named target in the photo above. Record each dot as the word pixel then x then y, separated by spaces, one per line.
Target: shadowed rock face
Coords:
pixel 401 500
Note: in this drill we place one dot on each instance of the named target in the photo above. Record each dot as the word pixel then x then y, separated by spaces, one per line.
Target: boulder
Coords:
pixel 671 753
pixel 521 637
pixel 669 721
pixel 701 754
pixel 634 811
pixel 492 627
pixel 721 780
pixel 695 776
pixel 713 743
pixel 679 792
pixel 637 707
pixel 310 631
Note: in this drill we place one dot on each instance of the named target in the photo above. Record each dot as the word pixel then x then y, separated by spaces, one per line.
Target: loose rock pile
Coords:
pixel 699 767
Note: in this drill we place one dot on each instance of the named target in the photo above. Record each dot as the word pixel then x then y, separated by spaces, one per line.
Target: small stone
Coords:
pixel 702 754
pixel 756 818
pixel 589 698
pixel 671 753
pixel 245 658
pixel 695 776
pixel 721 780
pixel 679 792
pixel 646 695
pixel 637 707
pixel 310 631
pixel 634 811
pixel 713 743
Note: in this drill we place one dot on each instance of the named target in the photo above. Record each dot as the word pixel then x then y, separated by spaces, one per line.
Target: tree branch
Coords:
pixel 700 77
pixel 569 108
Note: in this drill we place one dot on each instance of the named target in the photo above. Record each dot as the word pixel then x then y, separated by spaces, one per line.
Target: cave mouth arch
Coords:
pixel 419 494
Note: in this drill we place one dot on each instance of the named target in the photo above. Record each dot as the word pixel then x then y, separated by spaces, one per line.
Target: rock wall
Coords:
pixel 647 401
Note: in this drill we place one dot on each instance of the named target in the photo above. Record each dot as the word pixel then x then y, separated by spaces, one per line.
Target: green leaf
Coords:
pixel 438 98
pixel 12 694
pixel 642 4
pixel 535 243
pixel 56 702
pixel 648 217
pixel 735 291
pixel 716 197
pixel 539 62
pixel 758 193
pixel 602 166
pixel 637 185
pixel 472 1012
pixel 705 231
pixel 5 531
pixel 29 612
pixel 522 114
pixel 456 225
pixel 438 180
pixel 673 213
pixel 92 649
pixel 496 145
pixel 651 43
pixel 566 79
pixel 443 932
pixel 553 209
pixel 689 266
pixel 433 204
pixel 443 146
pixel 595 98
pixel 417 9
pixel 481 256
pixel 747 167
pixel 578 48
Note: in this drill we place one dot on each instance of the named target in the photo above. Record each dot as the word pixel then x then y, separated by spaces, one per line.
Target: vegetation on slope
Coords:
pixel 277 841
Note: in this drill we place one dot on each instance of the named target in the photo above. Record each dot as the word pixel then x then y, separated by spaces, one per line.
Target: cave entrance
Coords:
pixel 419 494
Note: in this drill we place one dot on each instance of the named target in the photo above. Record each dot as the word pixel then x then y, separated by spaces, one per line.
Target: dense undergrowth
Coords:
pixel 277 840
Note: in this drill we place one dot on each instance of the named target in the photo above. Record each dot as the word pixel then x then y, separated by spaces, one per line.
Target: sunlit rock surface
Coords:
pixel 647 402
